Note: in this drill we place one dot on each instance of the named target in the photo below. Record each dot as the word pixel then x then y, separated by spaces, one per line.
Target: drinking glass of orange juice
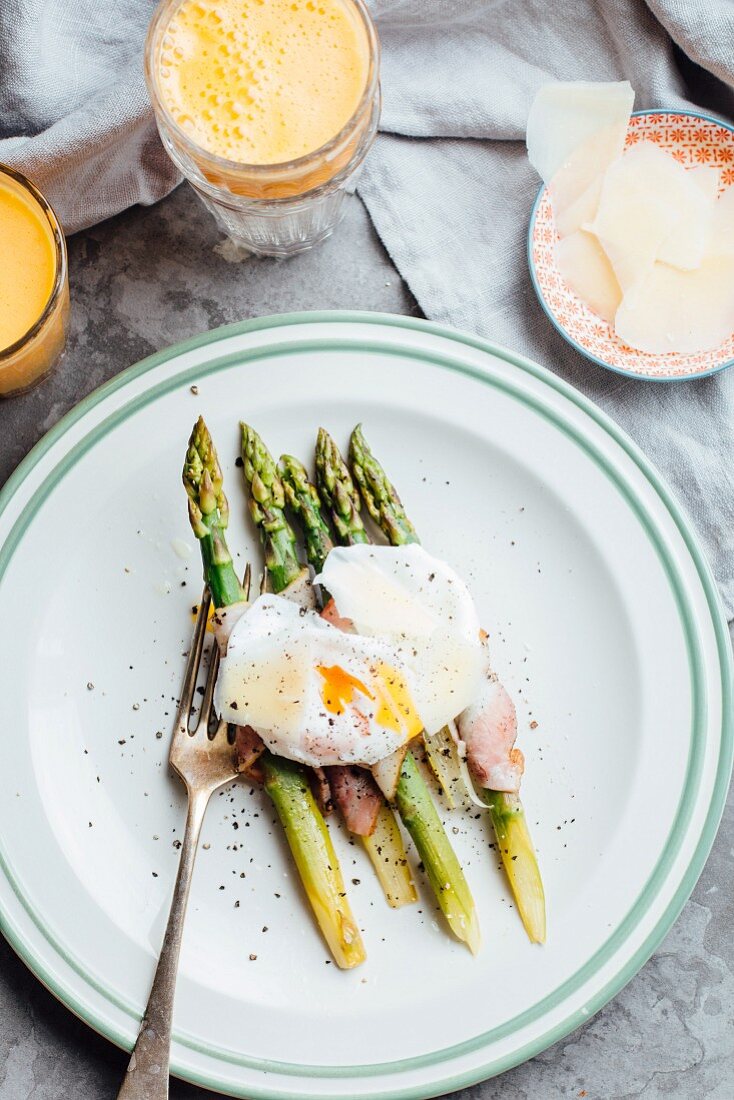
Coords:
pixel 268 107
pixel 34 284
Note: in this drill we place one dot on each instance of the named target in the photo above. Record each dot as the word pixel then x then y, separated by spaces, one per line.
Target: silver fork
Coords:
pixel 204 761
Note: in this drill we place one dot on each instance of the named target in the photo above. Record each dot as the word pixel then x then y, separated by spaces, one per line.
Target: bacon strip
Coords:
pixel 356 796
pixel 248 747
pixel 488 728
pixel 331 614
pixel 321 789
pixel 356 793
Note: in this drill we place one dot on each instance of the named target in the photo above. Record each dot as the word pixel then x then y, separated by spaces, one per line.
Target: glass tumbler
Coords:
pixel 31 357
pixel 271 209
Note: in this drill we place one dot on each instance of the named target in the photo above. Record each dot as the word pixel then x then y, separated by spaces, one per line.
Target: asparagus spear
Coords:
pixel 379 496
pixel 413 800
pixel 518 859
pixel 384 506
pixel 445 875
pixel 286 783
pixel 338 492
pixel 303 499
pixel 209 515
pixel 385 845
pixel 506 810
pixel 315 858
pixel 388 857
pixel 386 509
pixel 266 503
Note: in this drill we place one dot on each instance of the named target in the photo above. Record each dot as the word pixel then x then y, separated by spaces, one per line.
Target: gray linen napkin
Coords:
pixel 447 185
pixel 74 110
pixel 449 189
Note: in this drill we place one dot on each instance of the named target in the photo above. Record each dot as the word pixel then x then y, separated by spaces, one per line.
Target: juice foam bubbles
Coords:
pixel 263 81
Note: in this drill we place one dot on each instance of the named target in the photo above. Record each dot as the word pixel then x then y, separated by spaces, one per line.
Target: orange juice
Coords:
pixel 263 82
pixel 33 289
pixel 268 108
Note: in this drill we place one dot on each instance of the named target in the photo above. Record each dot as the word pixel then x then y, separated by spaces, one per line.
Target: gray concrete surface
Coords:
pixel 152 277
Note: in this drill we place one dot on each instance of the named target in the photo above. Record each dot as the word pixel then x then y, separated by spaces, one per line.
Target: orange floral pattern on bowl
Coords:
pixel 692 139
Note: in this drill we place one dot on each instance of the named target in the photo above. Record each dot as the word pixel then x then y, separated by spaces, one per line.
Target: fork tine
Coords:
pixel 192 665
pixel 263 581
pixel 211 678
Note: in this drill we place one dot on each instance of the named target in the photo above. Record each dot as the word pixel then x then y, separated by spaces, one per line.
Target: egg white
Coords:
pixel 270 680
pixel 421 605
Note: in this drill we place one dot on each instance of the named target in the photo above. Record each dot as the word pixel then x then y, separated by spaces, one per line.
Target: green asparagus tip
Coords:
pixel 378 493
pixel 338 491
pixel 202 478
pixel 260 469
pixel 267 501
pixel 292 469
pixel 296 484
pixel 209 515
pixel 302 497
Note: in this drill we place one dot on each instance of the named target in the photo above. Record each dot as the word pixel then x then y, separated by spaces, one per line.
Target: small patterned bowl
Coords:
pixel 692 139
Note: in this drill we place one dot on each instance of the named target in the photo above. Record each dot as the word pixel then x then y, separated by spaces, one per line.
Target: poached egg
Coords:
pixel 323 695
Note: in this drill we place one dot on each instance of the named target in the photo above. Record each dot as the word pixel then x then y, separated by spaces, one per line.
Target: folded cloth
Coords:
pixel 447 185
pixel 449 189
pixel 74 110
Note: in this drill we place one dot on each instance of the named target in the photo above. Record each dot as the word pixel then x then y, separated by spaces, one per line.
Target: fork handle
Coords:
pixel 147 1072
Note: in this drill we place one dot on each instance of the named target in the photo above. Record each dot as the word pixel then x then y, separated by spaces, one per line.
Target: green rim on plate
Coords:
pixel 648 894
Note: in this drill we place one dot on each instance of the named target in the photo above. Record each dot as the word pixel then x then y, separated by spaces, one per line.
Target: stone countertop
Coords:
pixel 152 277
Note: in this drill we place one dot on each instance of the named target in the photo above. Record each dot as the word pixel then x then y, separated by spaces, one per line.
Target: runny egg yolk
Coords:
pixel 395 711
pixel 339 688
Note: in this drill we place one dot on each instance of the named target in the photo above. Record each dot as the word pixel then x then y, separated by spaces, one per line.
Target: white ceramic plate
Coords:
pixel 606 628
